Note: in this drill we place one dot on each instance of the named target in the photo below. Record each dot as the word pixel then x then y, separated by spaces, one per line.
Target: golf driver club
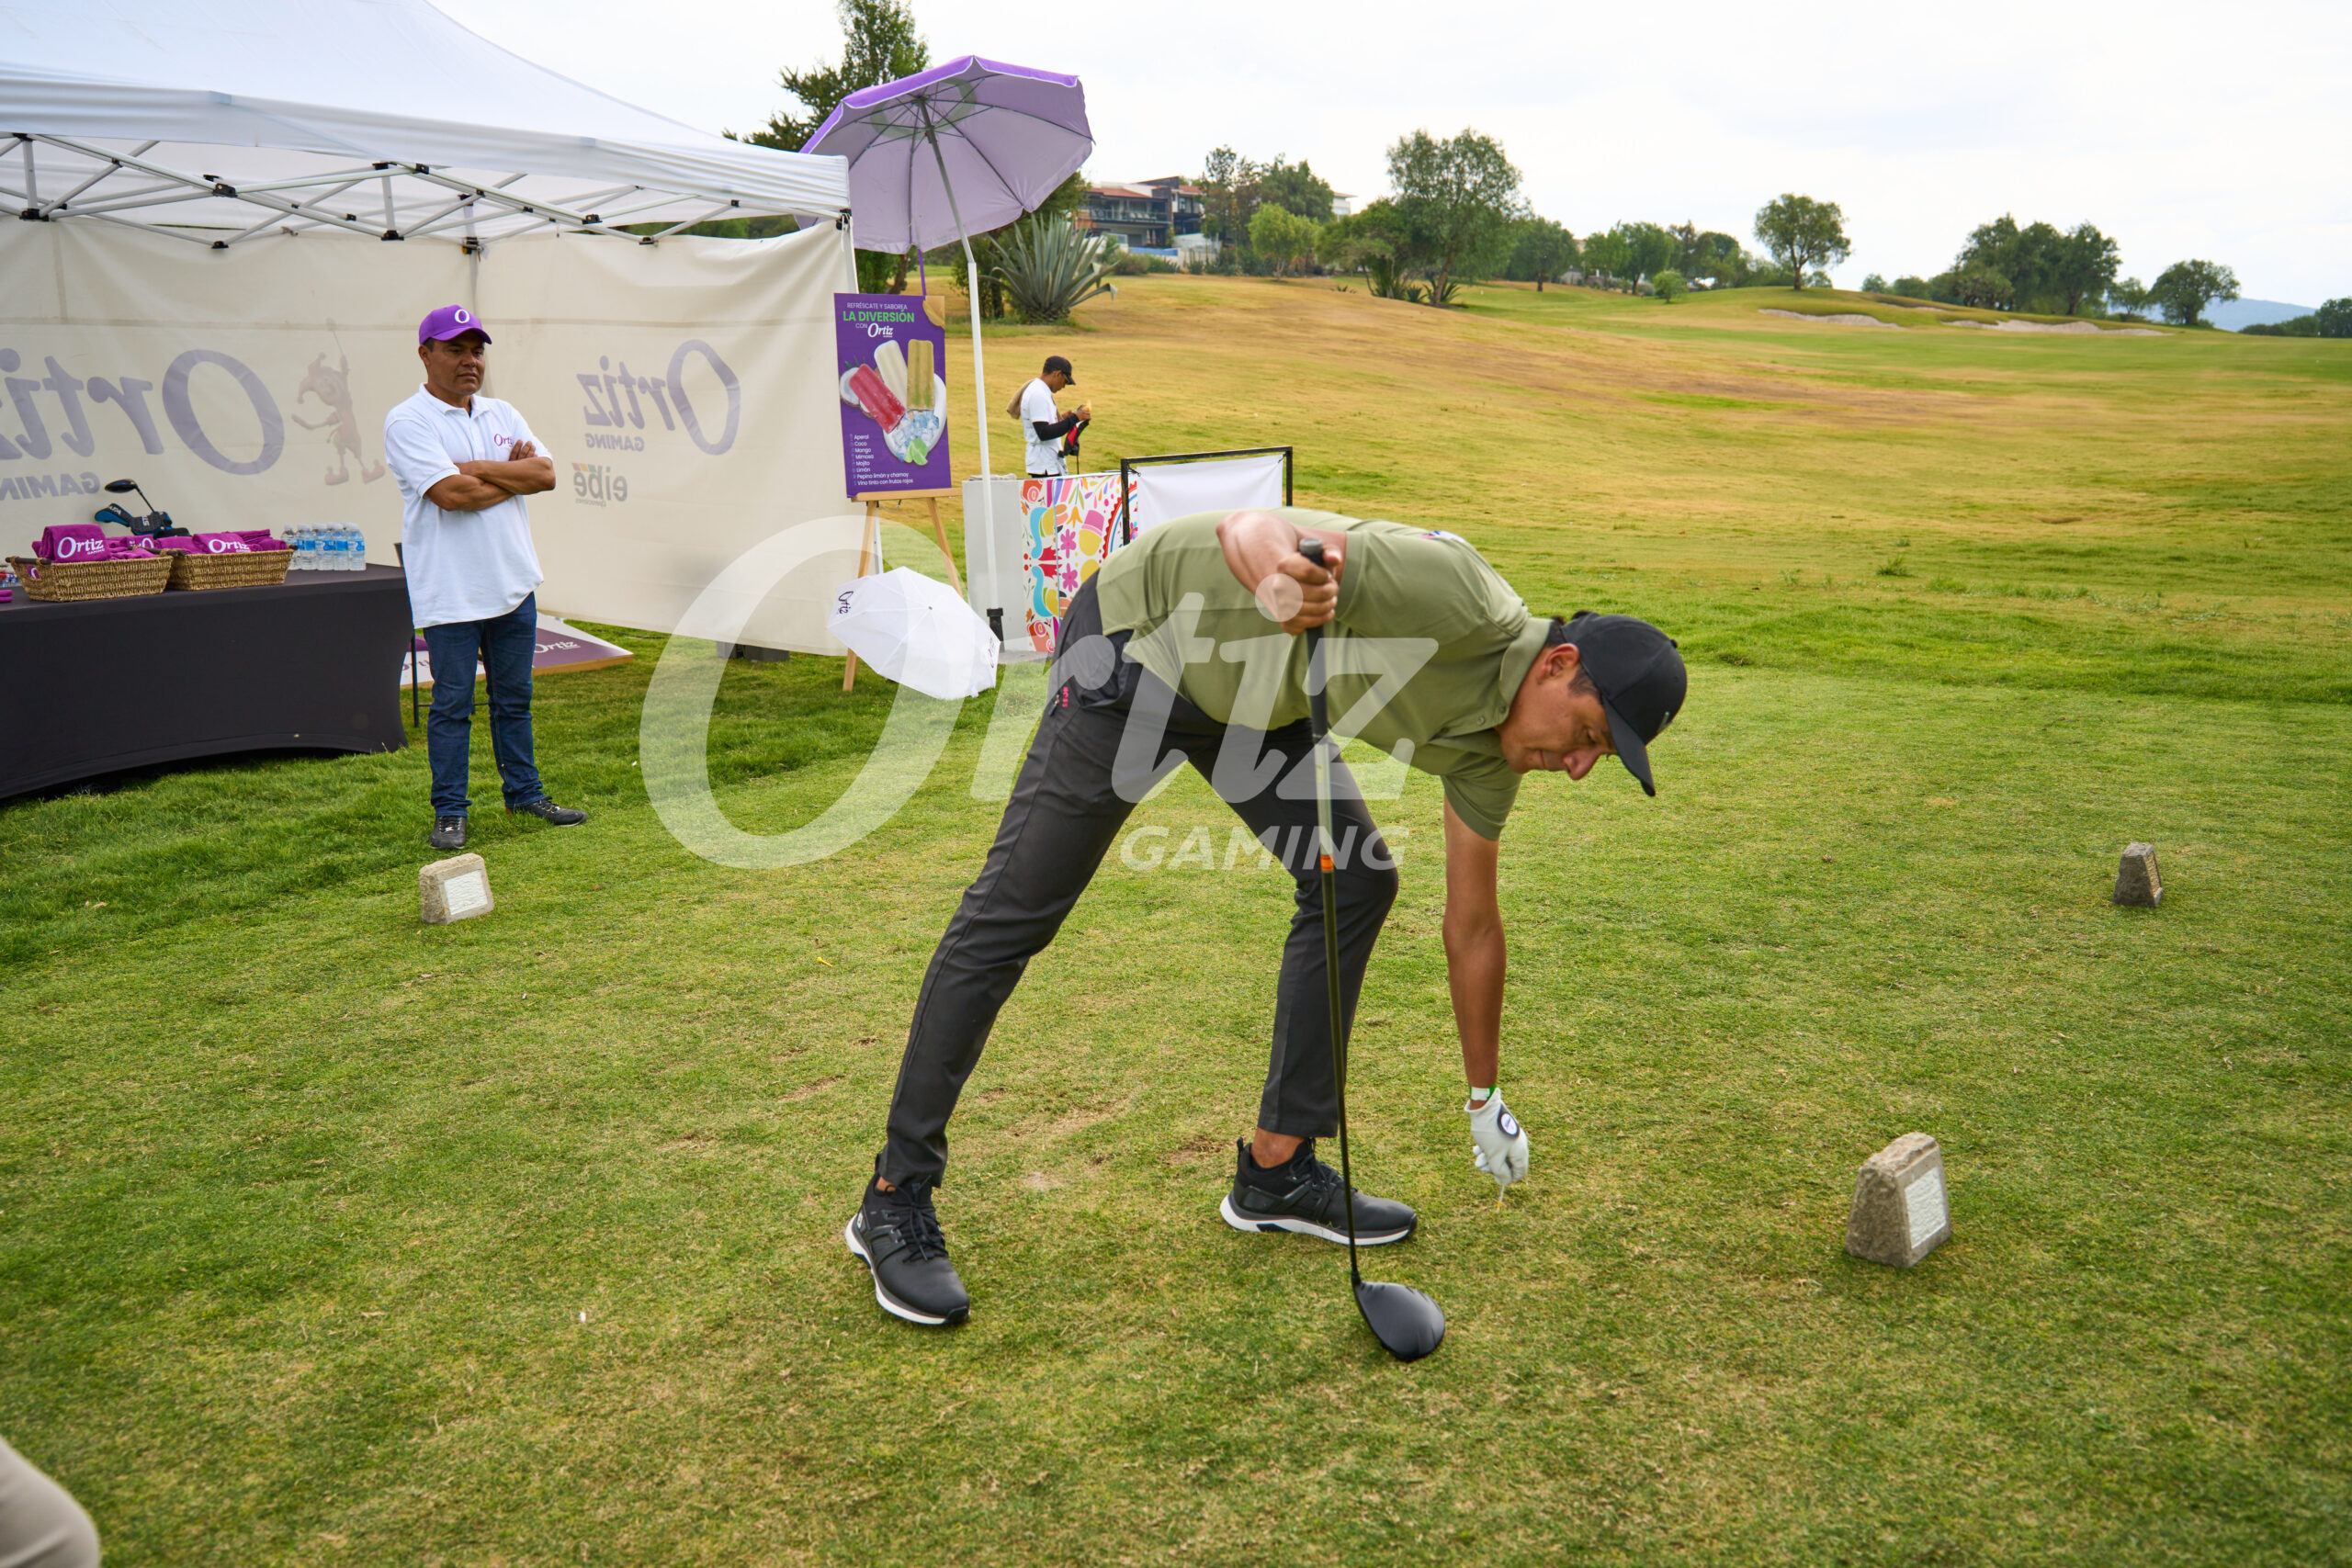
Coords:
pixel 1407 1324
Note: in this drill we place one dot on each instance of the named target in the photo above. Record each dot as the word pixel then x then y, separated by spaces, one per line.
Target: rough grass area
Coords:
pixel 329 1239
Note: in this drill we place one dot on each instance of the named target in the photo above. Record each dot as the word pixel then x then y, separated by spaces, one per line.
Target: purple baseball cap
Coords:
pixel 449 321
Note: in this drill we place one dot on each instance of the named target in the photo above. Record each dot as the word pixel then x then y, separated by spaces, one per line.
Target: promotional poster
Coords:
pixel 892 358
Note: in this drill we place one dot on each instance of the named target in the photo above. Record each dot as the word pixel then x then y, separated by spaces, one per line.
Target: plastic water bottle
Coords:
pixel 358 558
pixel 305 541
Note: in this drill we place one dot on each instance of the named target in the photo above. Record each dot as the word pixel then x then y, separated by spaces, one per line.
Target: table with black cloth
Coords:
pixel 103 685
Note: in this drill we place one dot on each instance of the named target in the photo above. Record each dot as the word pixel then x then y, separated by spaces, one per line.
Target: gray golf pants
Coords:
pixel 1065 812
pixel 40 1525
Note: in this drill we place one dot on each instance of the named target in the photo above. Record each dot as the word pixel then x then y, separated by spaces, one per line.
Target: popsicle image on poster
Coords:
pixel 891 358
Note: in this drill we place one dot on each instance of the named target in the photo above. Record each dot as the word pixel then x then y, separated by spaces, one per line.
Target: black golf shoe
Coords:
pixel 1306 1196
pixel 897 1236
pixel 548 812
pixel 448 833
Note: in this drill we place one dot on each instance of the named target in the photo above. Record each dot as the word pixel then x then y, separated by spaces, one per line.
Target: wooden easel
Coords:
pixel 869 545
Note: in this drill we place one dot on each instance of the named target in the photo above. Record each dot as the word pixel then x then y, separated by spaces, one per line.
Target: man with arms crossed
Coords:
pixel 1172 644
pixel 465 462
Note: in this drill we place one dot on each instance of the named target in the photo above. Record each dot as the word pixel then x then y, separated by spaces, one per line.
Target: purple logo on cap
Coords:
pixel 449 321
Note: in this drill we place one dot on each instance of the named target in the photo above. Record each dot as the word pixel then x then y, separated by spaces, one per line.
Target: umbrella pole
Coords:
pixel 980 395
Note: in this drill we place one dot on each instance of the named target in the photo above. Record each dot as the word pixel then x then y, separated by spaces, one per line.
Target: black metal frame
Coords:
pixel 1126 523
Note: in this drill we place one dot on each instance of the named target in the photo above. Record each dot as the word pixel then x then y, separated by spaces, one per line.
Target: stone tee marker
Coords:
pixel 455 889
pixel 2136 882
pixel 1899 1215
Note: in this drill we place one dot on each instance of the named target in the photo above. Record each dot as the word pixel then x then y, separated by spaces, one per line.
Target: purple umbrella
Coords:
pixel 1000 139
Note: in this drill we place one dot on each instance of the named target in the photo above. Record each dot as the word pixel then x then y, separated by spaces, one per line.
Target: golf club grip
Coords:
pixel 1318 707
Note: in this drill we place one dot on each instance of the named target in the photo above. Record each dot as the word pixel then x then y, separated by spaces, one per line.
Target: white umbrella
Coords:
pixel 916 631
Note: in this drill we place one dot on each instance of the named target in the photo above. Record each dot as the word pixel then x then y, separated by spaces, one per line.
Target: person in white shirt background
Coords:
pixel 1042 425
pixel 465 462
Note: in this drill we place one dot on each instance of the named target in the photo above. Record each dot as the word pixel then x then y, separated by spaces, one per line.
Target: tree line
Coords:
pixel 1455 212
pixel 2042 270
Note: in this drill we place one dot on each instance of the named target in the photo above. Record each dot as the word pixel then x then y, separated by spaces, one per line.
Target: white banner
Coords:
pixel 1163 491
pixel 686 391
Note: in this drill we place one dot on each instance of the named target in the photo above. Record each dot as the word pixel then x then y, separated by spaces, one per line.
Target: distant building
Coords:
pixel 1343 203
pixel 1157 215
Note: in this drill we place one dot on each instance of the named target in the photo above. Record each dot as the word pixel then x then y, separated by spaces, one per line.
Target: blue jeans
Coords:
pixel 505 644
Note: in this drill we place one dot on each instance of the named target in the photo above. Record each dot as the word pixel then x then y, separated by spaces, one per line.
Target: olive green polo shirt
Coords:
pixel 1425 627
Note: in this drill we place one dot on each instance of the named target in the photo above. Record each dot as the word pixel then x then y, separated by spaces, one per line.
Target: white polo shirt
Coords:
pixel 1038 406
pixel 462 566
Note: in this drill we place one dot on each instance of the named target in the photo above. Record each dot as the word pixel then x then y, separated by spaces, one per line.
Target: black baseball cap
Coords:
pixel 1638 671
pixel 1055 362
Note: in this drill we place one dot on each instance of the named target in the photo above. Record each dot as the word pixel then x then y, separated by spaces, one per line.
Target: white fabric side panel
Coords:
pixel 256 380
pixel 227 358
pixel 1163 491
pixel 706 481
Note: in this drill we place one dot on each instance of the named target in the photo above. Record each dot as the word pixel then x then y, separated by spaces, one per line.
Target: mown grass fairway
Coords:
pixel 328 1239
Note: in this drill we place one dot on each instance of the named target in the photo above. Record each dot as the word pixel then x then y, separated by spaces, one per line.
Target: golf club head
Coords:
pixel 1407 1324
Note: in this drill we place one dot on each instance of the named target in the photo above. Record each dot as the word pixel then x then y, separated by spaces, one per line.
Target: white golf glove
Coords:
pixel 1500 1141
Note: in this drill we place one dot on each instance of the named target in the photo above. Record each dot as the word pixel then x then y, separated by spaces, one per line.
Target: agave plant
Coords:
pixel 1048 268
pixel 1388 281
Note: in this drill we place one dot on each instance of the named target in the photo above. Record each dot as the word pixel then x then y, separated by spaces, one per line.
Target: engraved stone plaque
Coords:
pixel 1900 1213
pixel 453 889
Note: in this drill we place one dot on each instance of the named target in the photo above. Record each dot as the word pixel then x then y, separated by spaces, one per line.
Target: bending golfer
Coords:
pixel 1184 647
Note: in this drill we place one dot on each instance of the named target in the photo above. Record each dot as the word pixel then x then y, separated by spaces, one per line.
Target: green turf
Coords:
pixel 325 1238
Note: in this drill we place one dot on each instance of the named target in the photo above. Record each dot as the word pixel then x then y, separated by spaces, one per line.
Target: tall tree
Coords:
pixel 2088 263
pixel 1459 197
pixel 2184 288
pixel 1298 190
pixel 1230 193
pixel 1649 249
pixel 1802 234
pixel 1543 251
pixel 880 44
pixel 2129 298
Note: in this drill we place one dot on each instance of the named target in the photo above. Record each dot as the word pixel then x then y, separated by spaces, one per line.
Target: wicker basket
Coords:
pixel 235 568
pixel 59 583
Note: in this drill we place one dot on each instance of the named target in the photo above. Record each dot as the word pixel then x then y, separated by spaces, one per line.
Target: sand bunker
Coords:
pixel 2076 327
pixel 1848 318
pixel 1844 320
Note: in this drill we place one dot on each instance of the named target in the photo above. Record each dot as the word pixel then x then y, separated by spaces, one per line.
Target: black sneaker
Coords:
pixel 448 833
pixel 1306 1196
pixel 548 812
pixel 897 1237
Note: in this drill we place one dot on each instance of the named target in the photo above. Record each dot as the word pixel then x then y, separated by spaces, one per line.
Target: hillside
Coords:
pixel 1788 493
pixel 2235 315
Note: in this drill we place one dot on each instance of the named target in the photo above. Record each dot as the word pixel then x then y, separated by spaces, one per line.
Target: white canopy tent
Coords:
pixel 205 183
pixel 216 123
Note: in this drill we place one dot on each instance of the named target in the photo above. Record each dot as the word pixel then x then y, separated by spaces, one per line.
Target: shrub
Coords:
pixel 1388 281
pixel 1669 285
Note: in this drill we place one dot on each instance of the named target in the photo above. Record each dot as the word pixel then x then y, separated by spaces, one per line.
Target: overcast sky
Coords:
pixel 2213 132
